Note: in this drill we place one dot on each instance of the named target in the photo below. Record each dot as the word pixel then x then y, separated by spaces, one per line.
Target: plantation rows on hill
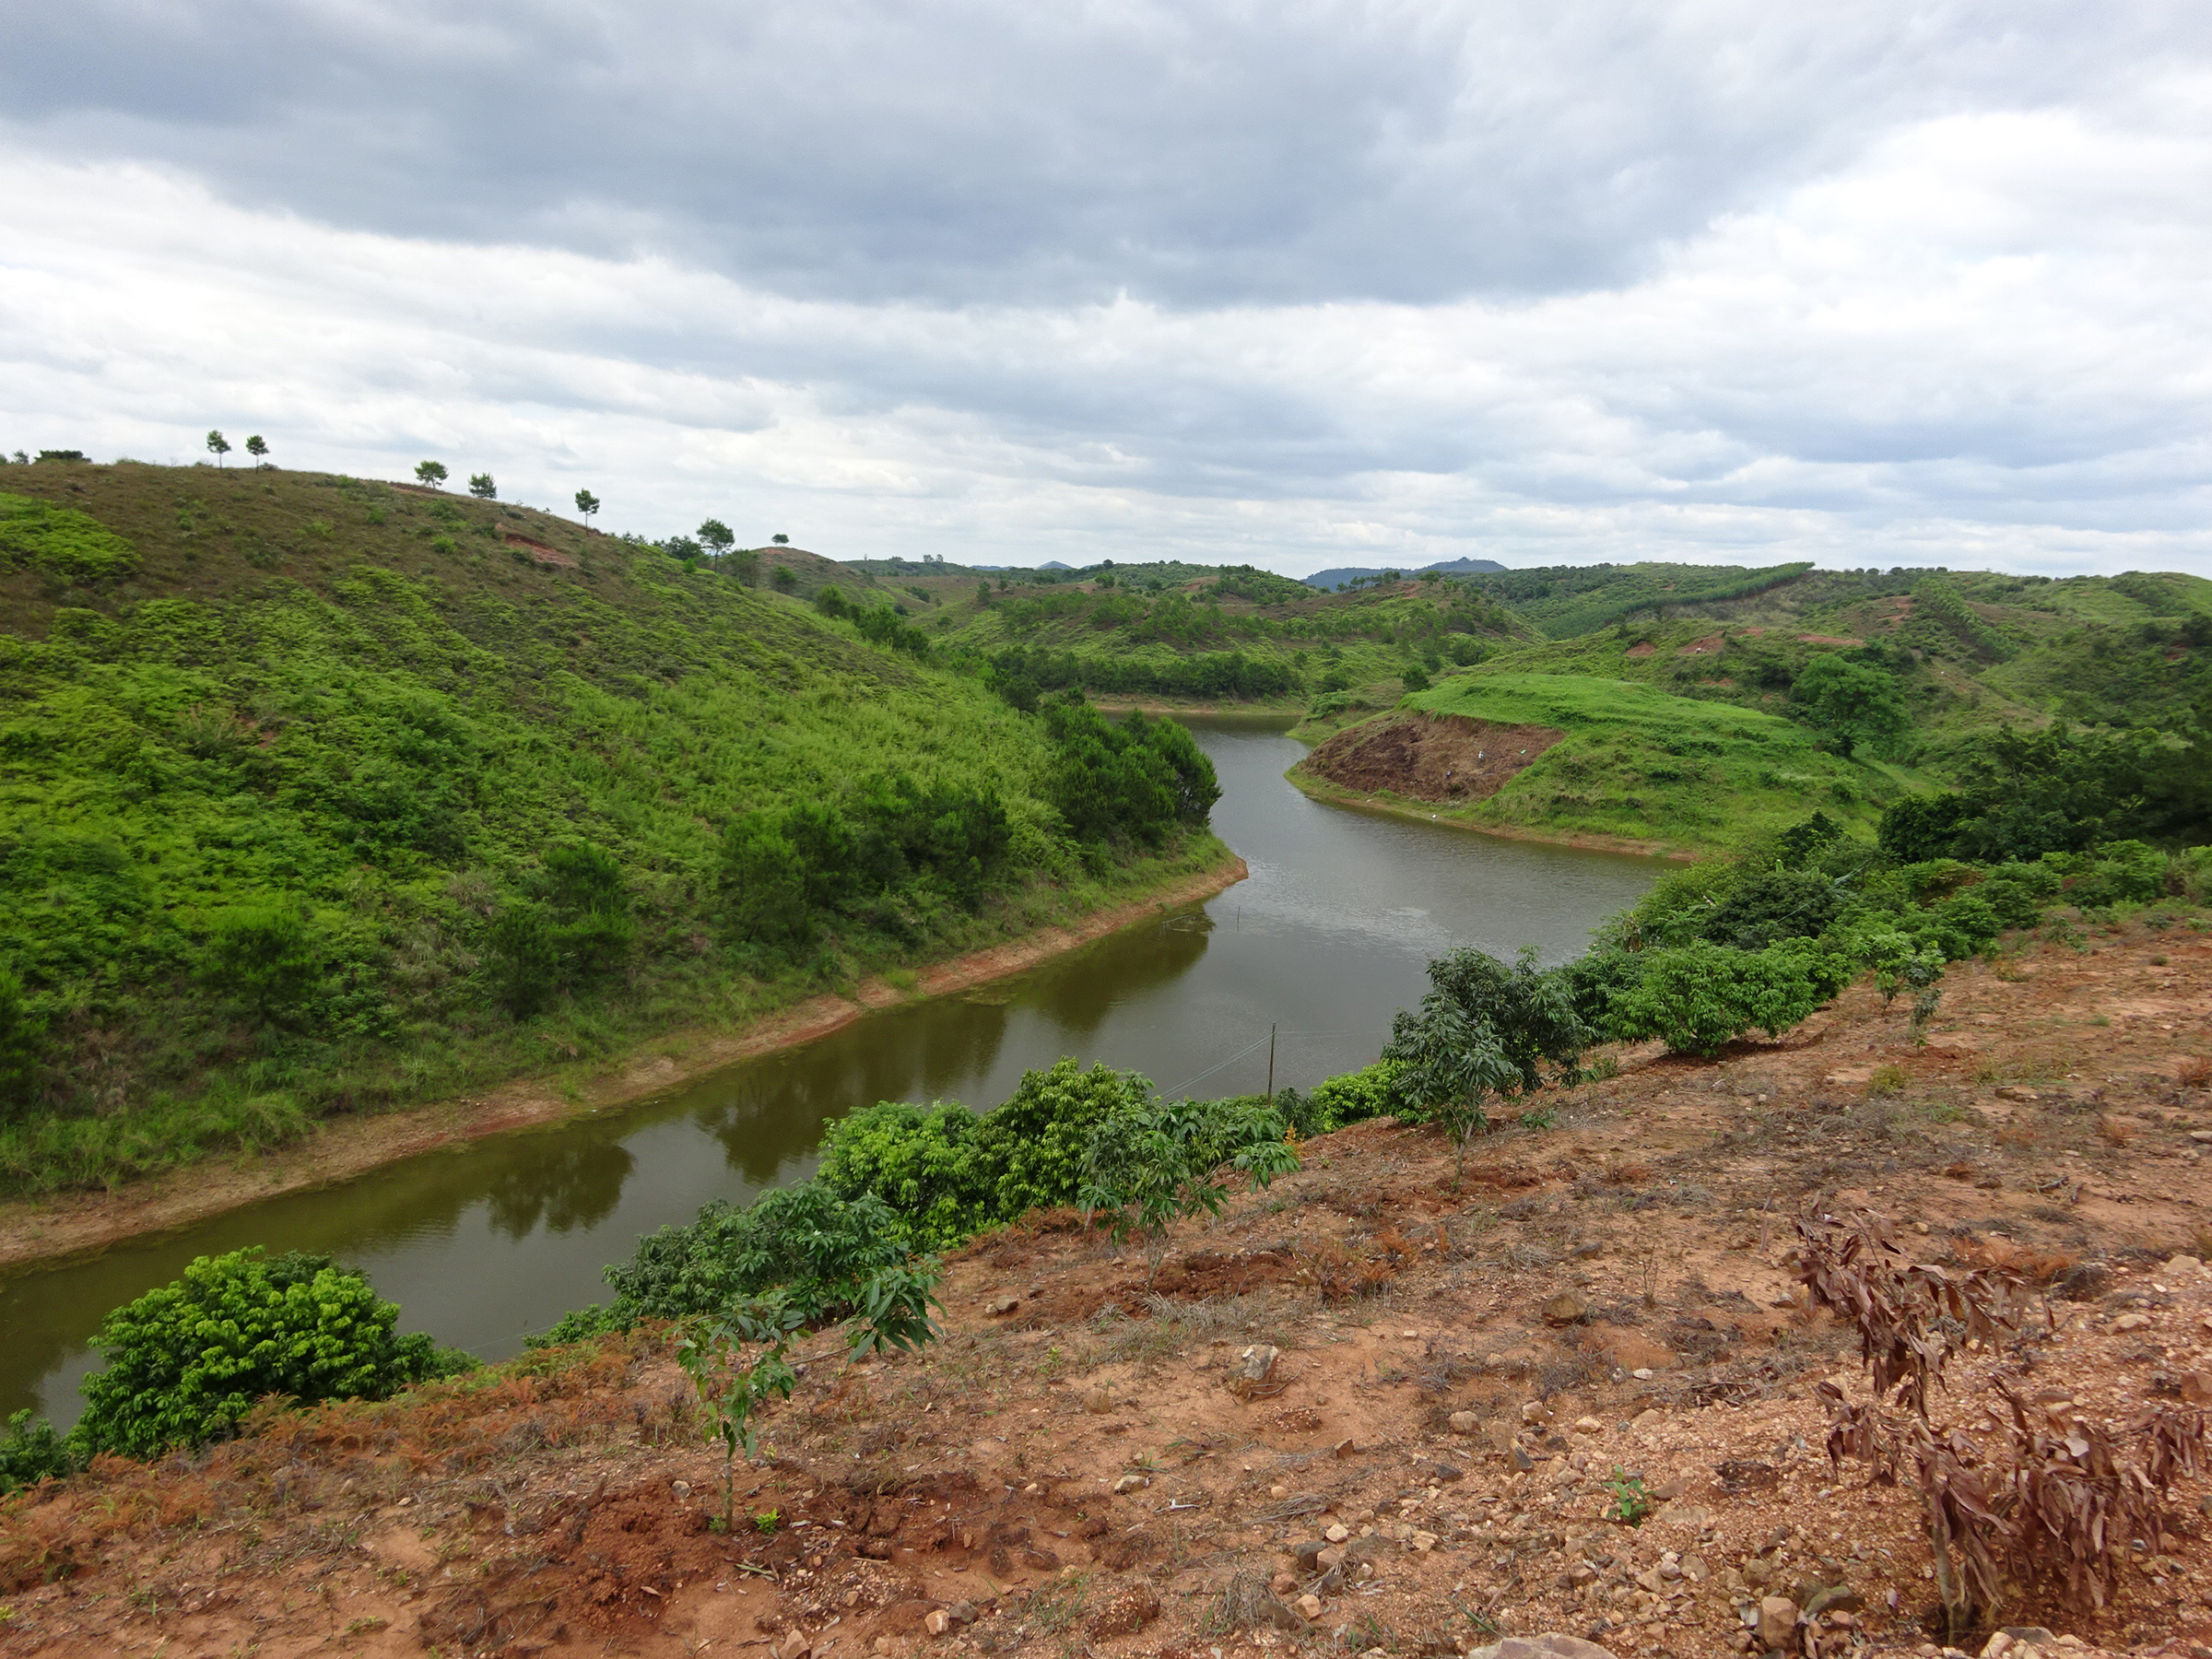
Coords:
pixel 318 795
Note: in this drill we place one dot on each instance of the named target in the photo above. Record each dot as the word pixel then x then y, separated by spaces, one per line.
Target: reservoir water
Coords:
pixel 1330 936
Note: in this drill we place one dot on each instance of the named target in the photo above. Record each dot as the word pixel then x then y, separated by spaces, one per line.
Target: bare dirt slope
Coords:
pixel 1467 1378
pixel 1447 758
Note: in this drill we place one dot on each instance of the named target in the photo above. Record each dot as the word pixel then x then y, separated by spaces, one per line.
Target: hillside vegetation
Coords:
pixel 1640 764
pixel 319 794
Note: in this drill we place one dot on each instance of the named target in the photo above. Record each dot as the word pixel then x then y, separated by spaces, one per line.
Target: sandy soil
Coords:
pixel 1469 1376
pixel 77 1223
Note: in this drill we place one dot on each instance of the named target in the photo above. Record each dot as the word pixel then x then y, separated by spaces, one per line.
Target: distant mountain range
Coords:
pixel 1329 580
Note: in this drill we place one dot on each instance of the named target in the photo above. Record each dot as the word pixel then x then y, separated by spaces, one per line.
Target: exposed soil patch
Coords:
pixel 539 551
pixel 1441 758
pixel 1704 647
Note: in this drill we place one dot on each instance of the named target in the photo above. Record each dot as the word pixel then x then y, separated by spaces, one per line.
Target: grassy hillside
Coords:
pixel 1221 635
pixel 322 795
pixel 1640 764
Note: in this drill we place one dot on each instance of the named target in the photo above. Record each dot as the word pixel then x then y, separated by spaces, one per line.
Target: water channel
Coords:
pixel 1328 938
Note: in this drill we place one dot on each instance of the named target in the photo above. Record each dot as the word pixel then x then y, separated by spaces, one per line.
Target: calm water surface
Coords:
pixel 1329 938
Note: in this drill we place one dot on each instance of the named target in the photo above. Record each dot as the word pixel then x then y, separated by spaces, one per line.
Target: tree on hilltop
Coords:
pixel 431 473
pixel 258 447
pixel 781 539
pixel 482 487
pixel 218 446
pixel 717 538
pixel 587 504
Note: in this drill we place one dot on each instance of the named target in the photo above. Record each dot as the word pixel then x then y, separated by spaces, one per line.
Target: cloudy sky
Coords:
pixel 1297 282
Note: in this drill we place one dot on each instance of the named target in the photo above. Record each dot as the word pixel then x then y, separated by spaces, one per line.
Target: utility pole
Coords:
pixel 1270 1066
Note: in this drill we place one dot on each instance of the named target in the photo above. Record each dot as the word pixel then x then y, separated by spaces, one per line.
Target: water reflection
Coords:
pixel 558 1185
pixel 1328 938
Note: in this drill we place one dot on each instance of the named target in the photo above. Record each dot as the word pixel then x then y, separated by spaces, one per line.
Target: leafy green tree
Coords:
pixel 258 447
pixel 266 954
pixel 187 1361
pixel 1485 1034
pixel 431 473
pixel 521 957
pixel 218 446
pixel 22 1047
pixel 587 505
pixel 480 485
pixel 745 564
pixel 716 537
pixel 1413 678
pixel 1852 704
pixel 781 539
pixel 785 580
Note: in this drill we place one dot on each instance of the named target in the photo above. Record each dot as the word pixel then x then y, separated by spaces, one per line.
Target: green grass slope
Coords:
pixel 1147 633
pixel 1640 764
pixel 292 766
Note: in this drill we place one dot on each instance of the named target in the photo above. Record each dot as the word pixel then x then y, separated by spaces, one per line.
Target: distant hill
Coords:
pixel 1330 580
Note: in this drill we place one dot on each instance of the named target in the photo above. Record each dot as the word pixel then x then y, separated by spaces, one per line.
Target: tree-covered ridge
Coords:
pixel 336 836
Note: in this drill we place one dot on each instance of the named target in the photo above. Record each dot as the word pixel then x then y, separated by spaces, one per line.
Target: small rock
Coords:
pixel 1643 1374
pixel 999 1307
pixel 2013 1092
pixel 1550 1645
pixel 936 1621
pixel 1098 1402
pixel 1423 1542
pixel 1309 1605
pixel 1279 1491
pixel 2182 1266
pixel 1338 1532
pixel 1463 1422
pixel 1522 1462
pixel 2197 1387
pixel 793 1646
pixel 682 1489
pixel 1345 1448
pixel 2131 1322
pixel 1535 1411
pixel 1132 1483
pixel 1305 1554
pixel 1565 1308
pixel 2203 1138
pixel 1282 1584
pixel 1777 1622
pixel 1695 1569
pixel 1588 1425
pixel 1256 1361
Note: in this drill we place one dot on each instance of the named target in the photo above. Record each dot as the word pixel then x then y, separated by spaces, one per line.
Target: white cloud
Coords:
pixel 1948 312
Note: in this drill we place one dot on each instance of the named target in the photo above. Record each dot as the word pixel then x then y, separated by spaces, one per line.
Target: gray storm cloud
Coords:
pixel 1865 283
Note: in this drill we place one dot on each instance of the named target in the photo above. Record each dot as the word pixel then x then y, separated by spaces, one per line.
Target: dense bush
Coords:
pixel 185 1363
pixel 816 1247
pixel 2021 794
pixel 1697 998
pixel 1372 1091
pixel 891 852
pixel 31 1449
pixel 1137 782
pixel 1223 674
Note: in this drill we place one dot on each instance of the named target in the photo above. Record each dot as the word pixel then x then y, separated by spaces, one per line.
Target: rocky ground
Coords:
pixel 1370 1411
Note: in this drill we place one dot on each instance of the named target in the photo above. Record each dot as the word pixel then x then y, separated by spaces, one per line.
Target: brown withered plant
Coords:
pixel 2054 1504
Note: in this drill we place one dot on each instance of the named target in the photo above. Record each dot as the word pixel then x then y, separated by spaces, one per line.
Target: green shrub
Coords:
pixel 919 1159
pixel 185 1363
pixel 32 1450
pixel 22 1045
pixel 2193 874
pixel 1765 909
pixel 813 1245
pixel 1030 1149
pixel 1352 1097
pixel 264 955
pixel 1697 998
pixel 62 543
pixel 1148 1168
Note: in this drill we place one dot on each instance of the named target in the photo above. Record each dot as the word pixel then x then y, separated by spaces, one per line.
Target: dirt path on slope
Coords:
pixel 47 1230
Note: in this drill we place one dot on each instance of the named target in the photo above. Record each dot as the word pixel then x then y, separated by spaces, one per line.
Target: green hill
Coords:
pixel 325 795
pixel 1634 763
